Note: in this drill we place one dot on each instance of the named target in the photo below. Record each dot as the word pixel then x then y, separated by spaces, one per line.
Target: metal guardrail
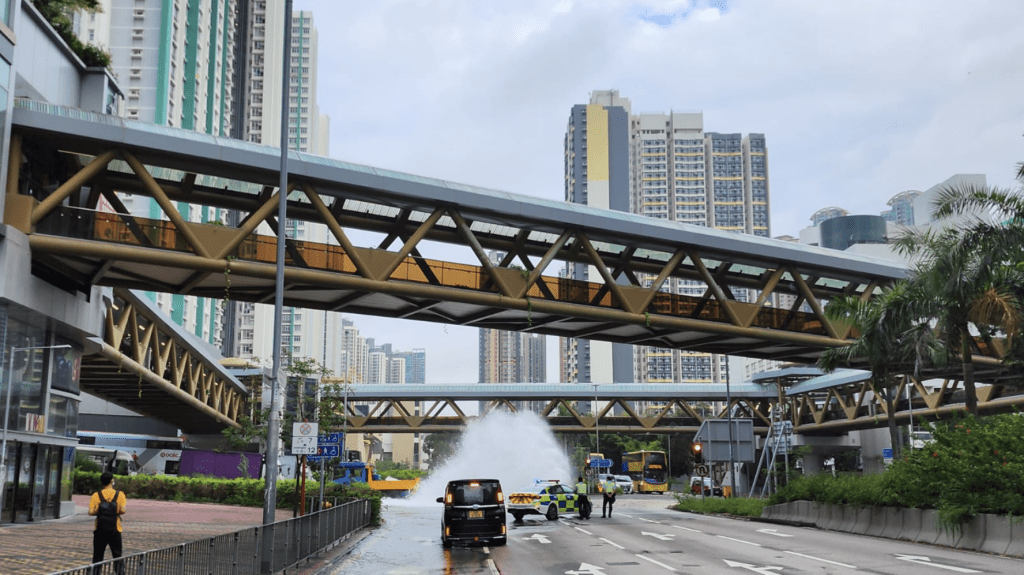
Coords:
pixel 272 548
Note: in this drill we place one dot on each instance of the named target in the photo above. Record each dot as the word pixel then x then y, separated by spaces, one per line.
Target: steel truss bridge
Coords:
pixel 815 403
pixel 71 171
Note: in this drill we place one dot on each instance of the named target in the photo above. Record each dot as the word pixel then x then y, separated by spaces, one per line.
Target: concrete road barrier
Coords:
pixel 911 525
pixel 803 513
pixel 849 519
pixel 929 527
pixel 827 516
pixel 893 522
pixel 862 520
pixel 972 536
pixel 1016 547
pixel 876 523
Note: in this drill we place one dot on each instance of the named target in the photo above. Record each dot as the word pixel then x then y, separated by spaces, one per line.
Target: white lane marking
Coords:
pixel 686 528
pixel 754 568
pixel 774 532
pixel 487 550
pixel 624 515
pixel 494 568
pixel 820 559
pixel 922 560
pixel 662 536
pixel 655 562
pixel 740 541
pixel 587 569
pixel 538 537
pixel 611 543
pixel 648 520
pixel 583 530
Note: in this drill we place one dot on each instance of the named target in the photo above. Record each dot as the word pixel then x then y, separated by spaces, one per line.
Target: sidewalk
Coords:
pixel 49 546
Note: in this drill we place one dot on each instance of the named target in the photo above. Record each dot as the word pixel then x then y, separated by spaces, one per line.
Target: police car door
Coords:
pixel 566 499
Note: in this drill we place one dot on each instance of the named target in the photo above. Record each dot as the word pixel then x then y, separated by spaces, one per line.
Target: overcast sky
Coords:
pixel 857 100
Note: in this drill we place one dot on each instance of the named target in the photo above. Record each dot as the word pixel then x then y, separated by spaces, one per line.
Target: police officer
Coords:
pixel 608 490
pixel 582 501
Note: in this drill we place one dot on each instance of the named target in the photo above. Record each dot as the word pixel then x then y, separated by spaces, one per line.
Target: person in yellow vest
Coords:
pixel 583 502
pixel 107 505
pixel 608 490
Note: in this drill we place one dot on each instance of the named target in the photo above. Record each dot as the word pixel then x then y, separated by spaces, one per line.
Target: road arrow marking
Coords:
pixel 774 532
pixel 922 560
pixel 587 569
pixel 761 570
pixel 662 536
pixel 537 536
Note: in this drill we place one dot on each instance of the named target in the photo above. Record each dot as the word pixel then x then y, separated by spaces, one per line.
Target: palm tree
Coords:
pixel 890 338
pixel 970 275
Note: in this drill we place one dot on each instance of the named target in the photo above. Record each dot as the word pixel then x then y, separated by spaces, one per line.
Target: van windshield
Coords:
pixel 475 493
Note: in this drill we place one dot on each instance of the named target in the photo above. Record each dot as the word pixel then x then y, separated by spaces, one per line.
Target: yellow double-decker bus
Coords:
pixel 648 470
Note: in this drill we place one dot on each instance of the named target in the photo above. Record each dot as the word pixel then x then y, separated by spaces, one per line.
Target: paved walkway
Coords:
pixel 49 546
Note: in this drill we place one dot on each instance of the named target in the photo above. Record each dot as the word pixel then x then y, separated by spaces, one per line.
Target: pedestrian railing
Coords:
pixel 272 548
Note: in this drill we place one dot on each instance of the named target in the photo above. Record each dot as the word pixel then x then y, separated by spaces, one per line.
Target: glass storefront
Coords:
pixel 39 376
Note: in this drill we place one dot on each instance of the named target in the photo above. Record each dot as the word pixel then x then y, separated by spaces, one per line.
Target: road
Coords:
pixel 644 537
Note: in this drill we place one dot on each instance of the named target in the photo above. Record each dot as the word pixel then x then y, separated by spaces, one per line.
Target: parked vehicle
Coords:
pixel 361 472
pixel 474 512
pixel 624 482
pixel 710 489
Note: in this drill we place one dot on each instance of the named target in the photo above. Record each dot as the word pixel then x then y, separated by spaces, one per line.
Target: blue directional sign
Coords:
pixel 600 462
pixel 887 453
pixel 325 452
pixel 333 438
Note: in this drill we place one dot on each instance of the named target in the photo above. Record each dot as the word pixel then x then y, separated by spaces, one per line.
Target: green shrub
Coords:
pixel 974 465
pixel 744 506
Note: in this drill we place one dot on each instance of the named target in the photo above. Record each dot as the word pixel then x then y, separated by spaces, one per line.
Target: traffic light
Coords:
pixel 698 452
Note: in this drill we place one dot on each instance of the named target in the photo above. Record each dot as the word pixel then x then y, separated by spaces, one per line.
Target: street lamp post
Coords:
pixel 597 423
pixel 274 423
pixel 7 410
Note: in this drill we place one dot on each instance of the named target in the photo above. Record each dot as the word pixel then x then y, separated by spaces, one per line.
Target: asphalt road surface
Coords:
pixel 644 537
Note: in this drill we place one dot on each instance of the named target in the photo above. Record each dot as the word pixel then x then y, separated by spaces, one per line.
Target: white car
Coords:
pixel 625 482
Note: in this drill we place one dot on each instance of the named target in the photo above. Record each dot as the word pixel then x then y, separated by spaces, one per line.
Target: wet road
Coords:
pixel 645 538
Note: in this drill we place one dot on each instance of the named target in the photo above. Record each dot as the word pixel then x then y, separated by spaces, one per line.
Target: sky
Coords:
pixel 858 100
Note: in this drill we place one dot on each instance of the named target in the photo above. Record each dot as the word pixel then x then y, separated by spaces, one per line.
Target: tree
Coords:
pixel 440 447
pixel 889 338
pixel 969 276
pixel 299 372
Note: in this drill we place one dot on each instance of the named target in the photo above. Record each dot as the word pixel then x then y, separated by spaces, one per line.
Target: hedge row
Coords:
pixel 243 492
pixel 974 465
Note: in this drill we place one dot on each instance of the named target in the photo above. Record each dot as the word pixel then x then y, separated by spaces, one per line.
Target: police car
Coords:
pixel 547 498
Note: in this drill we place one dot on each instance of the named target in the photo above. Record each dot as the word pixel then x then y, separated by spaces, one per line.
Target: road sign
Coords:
pixel 333 438
pixel 304 438
pixel 601 463
pixel 701 470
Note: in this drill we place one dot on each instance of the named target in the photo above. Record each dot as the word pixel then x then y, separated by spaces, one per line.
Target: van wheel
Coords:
pixel 517 516
pixel 552 511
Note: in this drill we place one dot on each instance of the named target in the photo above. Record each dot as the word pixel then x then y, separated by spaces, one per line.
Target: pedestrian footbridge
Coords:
pixel 424 252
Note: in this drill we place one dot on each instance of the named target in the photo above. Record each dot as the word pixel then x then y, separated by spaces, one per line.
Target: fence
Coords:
pixel 272 548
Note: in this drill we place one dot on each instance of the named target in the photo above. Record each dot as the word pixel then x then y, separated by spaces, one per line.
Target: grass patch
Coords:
pixel 744 506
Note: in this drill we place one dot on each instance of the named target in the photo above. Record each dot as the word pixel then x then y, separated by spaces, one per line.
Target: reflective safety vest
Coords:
pixel 609 487
pixel 581 488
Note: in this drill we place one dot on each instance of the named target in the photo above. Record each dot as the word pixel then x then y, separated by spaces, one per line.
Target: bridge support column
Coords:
pixel 812 462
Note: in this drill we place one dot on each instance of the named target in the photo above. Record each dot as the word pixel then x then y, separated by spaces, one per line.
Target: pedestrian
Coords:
pixel 608 490
pixel 582 501
pixel 107 505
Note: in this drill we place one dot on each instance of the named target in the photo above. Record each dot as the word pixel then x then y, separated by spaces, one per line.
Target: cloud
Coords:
pixel 858 100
